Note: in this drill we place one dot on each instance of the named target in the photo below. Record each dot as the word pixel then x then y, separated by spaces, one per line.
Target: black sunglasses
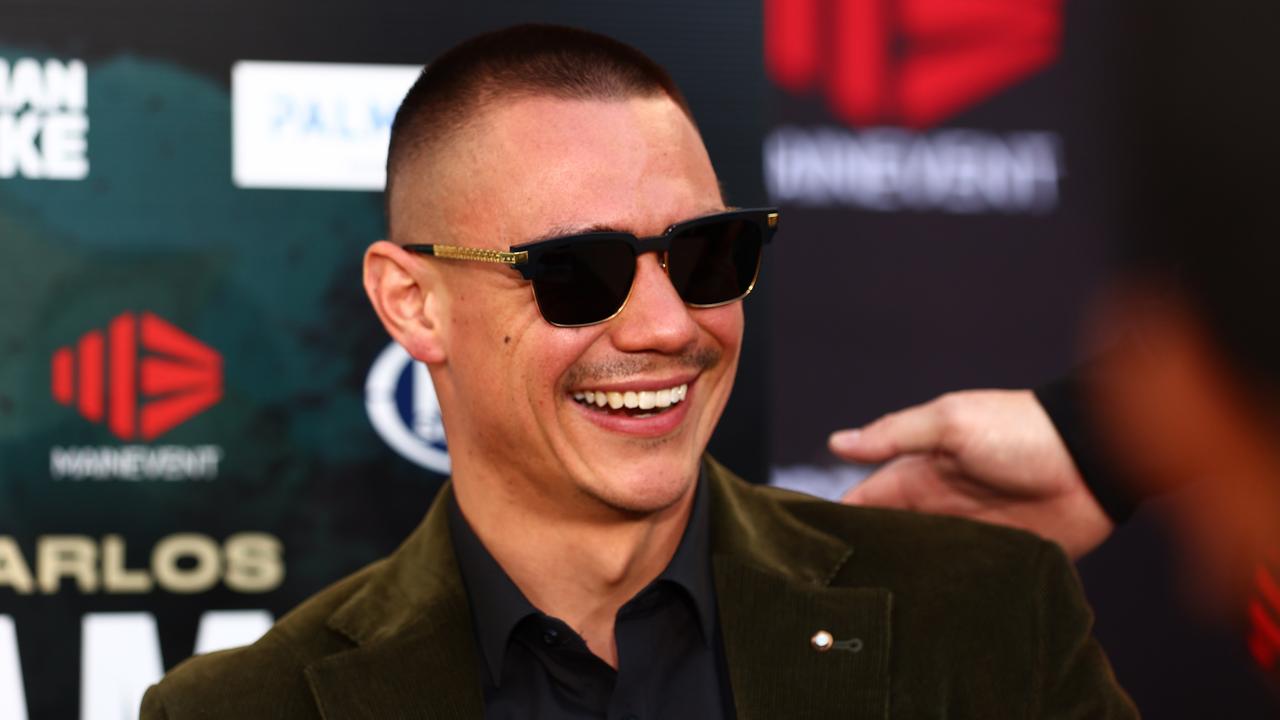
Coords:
pixel 585 279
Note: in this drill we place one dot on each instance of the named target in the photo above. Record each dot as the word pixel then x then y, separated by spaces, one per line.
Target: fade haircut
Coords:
pixel 517 62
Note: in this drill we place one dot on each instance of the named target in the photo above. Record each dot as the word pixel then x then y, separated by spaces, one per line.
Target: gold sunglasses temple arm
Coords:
pixel 455 252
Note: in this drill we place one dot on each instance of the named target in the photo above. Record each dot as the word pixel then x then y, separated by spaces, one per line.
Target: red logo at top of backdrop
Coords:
pixel 181 376
pixel 907 62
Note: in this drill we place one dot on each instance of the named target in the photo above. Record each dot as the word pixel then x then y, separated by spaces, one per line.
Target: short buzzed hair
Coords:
pixel 519 61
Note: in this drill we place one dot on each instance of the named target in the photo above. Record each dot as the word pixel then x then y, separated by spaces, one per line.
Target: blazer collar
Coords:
pixel 773 587
pixel 415 652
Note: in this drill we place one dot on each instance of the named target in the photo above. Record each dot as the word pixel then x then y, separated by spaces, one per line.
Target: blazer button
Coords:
pixel 822 641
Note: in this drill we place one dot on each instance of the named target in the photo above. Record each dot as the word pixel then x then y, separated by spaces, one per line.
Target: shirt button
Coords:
pixel 551 636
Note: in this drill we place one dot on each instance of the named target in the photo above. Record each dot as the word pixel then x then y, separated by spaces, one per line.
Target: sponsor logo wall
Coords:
pixel 201 422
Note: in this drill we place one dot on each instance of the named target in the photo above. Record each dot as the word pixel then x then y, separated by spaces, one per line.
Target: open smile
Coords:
pixel 639 409
pixel 633 403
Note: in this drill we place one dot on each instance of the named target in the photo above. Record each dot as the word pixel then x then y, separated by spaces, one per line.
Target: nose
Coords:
pixel 655 319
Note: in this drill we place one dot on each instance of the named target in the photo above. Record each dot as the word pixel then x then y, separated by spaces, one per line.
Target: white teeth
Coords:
pixel 633 399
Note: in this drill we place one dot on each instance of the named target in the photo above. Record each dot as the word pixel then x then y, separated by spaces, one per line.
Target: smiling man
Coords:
pixel 562 261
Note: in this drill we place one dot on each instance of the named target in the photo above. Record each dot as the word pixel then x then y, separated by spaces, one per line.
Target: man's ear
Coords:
pixel 406 293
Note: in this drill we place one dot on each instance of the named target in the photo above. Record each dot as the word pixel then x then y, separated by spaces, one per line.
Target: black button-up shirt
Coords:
pixel 670 659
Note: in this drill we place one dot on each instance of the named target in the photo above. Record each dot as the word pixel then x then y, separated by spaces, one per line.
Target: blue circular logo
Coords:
pixel 402 406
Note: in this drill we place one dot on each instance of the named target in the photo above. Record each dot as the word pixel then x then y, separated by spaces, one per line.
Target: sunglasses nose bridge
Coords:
pixel 661 256
pixel 653 316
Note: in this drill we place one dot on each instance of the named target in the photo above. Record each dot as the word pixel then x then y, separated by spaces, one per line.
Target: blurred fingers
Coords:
pixel 918 429
pixel 899 484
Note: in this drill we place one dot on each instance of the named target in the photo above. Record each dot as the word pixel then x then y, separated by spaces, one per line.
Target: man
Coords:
pixel 586 559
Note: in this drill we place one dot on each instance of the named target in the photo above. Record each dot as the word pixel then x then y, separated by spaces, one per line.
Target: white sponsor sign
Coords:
pixel 120 658
pixel 314 126
pixel 951 170
pixel 135 462
pixel 44 121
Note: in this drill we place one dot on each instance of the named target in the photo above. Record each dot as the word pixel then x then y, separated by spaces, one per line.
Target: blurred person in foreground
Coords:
pixel 587 559
pixel 1189 398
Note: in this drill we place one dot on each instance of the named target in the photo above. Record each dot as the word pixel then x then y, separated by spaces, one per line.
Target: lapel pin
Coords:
pixel 822 641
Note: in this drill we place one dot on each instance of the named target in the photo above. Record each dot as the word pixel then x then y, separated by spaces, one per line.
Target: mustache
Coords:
pixel 697 359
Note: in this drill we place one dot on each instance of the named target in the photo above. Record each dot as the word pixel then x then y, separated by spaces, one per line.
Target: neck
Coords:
pixel 575 567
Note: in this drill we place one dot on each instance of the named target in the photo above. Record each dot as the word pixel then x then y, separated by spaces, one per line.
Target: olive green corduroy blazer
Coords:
pixel 934 618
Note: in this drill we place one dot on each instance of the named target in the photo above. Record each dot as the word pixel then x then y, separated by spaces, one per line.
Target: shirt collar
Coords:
pixel 497 605
pixel 690 567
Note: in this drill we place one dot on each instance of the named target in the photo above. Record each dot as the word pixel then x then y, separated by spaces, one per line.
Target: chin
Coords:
pixel 645 491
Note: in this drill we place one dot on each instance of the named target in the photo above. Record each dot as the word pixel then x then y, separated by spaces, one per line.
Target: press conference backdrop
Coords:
pixel 201 422
pixel 952 173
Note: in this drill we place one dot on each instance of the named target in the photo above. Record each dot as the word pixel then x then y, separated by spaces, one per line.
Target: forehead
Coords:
pixel 538 164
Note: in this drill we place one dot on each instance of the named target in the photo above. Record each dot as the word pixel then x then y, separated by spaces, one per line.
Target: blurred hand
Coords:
pixel 989 455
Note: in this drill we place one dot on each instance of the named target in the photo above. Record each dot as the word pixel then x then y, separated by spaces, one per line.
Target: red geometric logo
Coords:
pixel 180 378
pixel 907 62
pixel 1264 609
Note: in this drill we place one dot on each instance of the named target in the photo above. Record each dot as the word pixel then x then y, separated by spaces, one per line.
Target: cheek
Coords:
pixel 723 326
pixel 484 334
pixel 542 356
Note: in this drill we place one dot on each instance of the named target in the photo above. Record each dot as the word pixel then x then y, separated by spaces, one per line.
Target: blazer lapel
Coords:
pixel 415 654
pixel 773 593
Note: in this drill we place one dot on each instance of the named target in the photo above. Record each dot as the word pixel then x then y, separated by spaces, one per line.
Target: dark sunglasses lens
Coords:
pixel 716 262
pixel 584 282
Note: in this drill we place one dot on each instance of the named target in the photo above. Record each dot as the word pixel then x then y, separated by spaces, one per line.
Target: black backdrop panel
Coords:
pixel 937 251
pixel 949 175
